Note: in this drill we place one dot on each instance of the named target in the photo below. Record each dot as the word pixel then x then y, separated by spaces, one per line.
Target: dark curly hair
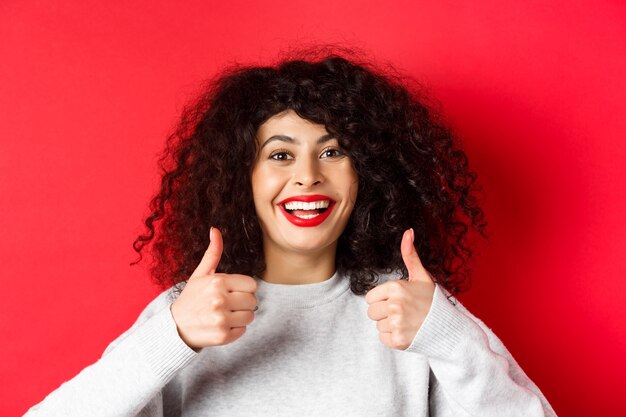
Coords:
pixel 410 172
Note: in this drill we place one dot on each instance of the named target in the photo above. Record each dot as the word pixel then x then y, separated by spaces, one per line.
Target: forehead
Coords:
pixel 289 123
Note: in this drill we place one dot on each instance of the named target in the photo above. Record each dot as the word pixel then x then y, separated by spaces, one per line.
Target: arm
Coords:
pixel 472 373
pixel 130 374
pixel 212 310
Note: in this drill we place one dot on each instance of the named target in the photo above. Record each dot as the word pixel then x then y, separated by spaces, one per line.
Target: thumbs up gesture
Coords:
pixel 399 307
pixel 214 309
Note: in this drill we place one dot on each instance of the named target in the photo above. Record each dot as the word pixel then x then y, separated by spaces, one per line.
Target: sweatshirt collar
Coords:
pixel 301 296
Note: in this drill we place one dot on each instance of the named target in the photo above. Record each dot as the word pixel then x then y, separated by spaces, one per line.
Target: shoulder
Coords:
pixel 150 311
pixel 164 299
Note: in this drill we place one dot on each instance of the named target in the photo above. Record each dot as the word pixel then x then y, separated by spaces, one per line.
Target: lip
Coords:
pixel 315 221
pixel 307 198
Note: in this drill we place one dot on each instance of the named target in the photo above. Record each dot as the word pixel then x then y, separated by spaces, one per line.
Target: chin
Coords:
pixel 307 245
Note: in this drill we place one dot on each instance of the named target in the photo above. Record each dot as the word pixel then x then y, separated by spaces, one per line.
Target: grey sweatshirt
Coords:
pixel 310 351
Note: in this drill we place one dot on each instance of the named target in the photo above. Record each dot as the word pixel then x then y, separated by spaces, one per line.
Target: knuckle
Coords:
pixel 218 302
pixel 218 281
pixel 255 285
pixel 221 337
pixel 220 322
pixel 397 340
pixel 396 308
pixel 401 295
pixel 396 286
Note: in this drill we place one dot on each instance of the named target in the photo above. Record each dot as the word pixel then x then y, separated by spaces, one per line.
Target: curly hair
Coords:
pixel 410 172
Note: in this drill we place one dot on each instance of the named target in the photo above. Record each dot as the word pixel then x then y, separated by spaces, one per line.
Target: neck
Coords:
pixel 299 268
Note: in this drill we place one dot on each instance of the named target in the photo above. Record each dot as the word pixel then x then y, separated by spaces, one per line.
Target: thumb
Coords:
pixel 212 256
pixel 411 258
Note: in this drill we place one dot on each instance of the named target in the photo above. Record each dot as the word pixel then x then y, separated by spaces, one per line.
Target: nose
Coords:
pixel 307 173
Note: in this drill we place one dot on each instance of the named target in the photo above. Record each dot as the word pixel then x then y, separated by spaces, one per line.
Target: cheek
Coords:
pixel 352 183
pixel 354 192
pixel 265 185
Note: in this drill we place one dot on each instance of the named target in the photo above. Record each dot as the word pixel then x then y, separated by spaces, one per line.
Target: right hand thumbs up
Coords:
pixel 212 256
pixel 214 309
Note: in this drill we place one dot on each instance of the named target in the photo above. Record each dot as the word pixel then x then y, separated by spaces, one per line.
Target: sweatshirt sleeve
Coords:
pixel 472 373
pixel 130 373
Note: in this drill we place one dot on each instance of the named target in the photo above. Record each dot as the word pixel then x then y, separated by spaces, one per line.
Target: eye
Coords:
pixel 280 155
pixel 332 153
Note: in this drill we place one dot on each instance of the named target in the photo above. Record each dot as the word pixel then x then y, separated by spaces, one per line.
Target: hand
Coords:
pixel 399 307
pixel 214 309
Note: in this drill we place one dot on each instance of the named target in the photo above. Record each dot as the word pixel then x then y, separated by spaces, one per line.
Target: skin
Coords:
pixel 300 166
pixel 215 308
pixel 400 307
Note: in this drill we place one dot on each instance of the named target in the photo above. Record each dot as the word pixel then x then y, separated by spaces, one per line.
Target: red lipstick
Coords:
pixel 315 221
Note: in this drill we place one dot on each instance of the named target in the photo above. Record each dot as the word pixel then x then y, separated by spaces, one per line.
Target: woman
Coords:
pixel 326 181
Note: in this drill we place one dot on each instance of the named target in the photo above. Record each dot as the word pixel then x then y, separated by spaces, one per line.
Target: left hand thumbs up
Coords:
pixel 399 307
pixel 412 260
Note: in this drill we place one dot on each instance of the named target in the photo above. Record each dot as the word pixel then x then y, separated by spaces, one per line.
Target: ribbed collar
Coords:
pixel 302 295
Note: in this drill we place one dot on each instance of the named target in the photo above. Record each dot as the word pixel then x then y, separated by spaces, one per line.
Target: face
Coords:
pixel 304 186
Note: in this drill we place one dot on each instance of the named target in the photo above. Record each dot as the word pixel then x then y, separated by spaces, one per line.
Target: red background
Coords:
pixel 535 90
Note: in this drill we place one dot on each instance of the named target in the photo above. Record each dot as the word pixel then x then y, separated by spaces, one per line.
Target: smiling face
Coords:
pixel 304 186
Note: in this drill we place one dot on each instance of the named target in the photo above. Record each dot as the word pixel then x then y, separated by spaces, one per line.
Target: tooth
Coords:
pixel 301 205
pixel 307 216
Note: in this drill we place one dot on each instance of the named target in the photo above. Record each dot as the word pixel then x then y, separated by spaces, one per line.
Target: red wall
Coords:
pixel 88 91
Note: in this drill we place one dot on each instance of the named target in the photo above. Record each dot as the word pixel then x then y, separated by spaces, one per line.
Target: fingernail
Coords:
pixel 412 235
pixel 211 233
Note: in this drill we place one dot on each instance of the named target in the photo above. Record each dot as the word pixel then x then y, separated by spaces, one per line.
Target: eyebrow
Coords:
pixel 289 139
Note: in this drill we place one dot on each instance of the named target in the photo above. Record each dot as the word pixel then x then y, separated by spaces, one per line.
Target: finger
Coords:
pixel 240 283
pixel 241 301
pixel 411 258
pixel 378 293
pixel 378 311
pixel 384 325
pixel 212 256
pixel 240 318
pixel 234 334
pixel 385 338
